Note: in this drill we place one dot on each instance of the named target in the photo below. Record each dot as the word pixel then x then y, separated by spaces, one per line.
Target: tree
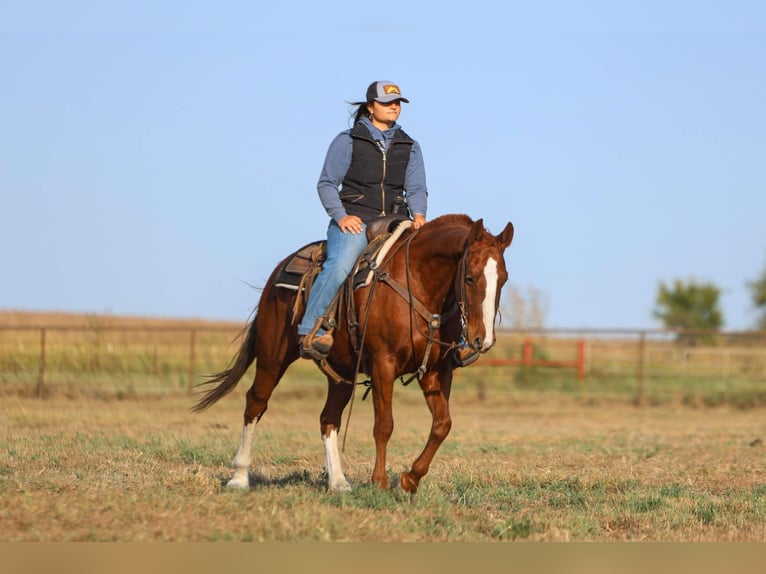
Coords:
pixel 525 311
pixel 689 305
pixel 758 294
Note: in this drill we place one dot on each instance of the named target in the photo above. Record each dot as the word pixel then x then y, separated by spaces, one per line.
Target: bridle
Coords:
pixel 460 287
pixel 433 320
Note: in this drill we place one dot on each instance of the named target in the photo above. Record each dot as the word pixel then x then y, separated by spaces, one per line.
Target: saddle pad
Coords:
pixel 292 270
pixel 289 276
pixel 362 272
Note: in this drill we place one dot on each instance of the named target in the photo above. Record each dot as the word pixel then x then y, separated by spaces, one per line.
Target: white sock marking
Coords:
pixel 335 476
pixel 241 462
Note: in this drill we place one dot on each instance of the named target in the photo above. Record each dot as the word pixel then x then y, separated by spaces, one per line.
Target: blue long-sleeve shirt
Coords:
pixel 338 160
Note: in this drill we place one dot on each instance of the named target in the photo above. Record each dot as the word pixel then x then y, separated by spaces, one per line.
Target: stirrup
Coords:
pixel 465 356
pixel 313 347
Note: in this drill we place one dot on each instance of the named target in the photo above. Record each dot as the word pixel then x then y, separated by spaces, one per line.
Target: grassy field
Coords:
pixel 525 466
pixel 112 452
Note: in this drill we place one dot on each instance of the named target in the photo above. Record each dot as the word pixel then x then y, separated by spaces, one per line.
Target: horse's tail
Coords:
pixel 227 380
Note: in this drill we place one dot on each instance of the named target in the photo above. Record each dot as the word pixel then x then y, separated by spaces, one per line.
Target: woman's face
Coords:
pixel 384 115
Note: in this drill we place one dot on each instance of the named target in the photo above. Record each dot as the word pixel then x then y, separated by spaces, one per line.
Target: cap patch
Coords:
pixel 391 89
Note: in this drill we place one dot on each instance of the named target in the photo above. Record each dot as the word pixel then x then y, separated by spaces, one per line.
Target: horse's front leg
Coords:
pixel 338 395
pixel 436 389
pixel 382 392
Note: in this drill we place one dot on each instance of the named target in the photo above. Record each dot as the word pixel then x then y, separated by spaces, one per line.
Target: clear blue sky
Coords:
pixel 159 158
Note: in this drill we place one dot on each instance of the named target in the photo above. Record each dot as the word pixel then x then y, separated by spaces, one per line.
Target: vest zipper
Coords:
pixel 383 187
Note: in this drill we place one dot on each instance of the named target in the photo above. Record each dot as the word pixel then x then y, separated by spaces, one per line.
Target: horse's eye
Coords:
pixel 470 281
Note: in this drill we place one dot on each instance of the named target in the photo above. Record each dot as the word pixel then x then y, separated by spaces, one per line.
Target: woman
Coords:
pixel 368 170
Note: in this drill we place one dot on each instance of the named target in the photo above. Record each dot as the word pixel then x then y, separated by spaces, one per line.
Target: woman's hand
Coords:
pixel 418 221
pixel 350 224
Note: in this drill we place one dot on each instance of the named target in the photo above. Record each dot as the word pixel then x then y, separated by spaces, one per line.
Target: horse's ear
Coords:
pixel 477 230
pixel 507 235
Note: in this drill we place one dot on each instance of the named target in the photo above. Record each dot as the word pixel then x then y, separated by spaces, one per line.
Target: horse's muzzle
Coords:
pixel 482 345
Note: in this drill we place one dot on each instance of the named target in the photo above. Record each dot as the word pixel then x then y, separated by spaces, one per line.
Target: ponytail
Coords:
pixel 360 112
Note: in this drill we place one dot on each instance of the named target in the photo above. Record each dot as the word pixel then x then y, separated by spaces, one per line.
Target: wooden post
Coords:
pixel 528 350
pixel 192 344
pixel 640 372
pixel 581 359
pixel 41 376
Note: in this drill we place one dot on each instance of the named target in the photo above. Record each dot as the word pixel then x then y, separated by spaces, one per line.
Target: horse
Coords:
pixel 437 290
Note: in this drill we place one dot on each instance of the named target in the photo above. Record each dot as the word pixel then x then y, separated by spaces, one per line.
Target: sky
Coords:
pixel 159 158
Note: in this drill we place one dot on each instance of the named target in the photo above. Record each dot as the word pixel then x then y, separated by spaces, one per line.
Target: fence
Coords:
pixel 143 357
pixel 528 359
pixel 660 361
pixel 157 355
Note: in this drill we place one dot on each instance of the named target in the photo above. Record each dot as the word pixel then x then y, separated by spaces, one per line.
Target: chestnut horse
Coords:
pixel 439 284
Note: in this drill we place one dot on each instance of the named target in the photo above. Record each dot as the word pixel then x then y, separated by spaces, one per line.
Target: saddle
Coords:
pixel 299 269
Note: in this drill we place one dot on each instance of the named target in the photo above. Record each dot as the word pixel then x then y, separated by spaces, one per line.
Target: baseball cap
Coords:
pixel 384 92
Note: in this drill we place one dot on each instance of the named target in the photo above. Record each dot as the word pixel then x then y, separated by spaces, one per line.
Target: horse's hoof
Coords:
pixel 341 486
pixel 238 484
pixel 409 483
pixel 380 481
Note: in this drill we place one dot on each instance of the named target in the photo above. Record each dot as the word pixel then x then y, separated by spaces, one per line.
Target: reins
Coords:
pixel 433 320
pixel 359 356
pixel 376 277
pixel 460 279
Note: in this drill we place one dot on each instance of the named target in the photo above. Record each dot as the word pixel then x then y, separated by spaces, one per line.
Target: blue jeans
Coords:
pixel 343 249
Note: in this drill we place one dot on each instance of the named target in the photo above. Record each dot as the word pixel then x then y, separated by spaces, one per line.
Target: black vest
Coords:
pixel 374 179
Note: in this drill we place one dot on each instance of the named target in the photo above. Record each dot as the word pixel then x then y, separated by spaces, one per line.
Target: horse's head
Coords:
pixel 480 278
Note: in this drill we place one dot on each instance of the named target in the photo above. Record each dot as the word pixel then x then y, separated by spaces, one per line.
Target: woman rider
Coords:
pixel 367 167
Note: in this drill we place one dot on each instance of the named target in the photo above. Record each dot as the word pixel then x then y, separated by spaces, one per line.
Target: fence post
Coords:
pixel 640 373
pixel 527 357
pixel 581 359
pixel 41 376
pixel 192 344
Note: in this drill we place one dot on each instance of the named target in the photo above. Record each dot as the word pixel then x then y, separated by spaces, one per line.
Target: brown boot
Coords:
pixel 316 348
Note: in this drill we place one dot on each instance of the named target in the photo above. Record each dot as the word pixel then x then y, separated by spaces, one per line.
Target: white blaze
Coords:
pixel 488 305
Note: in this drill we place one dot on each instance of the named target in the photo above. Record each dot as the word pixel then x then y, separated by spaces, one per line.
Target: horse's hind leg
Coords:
pixel 257 401
pixel 436 389
pixel 338 395
pixel 241 461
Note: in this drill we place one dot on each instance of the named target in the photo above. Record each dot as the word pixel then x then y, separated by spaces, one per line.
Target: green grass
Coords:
pixel 540 467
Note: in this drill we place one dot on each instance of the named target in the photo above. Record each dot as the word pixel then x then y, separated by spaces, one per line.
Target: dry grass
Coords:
pixel 116 455
pixel 530 467
pixel 16 318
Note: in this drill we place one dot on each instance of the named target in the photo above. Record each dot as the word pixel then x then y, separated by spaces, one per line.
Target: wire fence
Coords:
pixel 132 360
pixel 137 359
pixel 709 367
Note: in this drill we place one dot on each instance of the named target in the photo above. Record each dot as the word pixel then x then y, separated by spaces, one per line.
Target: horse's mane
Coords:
pixel 452 220
pixel 444 235
pixel 444 224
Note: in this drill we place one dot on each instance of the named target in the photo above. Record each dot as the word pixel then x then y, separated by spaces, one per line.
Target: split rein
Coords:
pixel 433 320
